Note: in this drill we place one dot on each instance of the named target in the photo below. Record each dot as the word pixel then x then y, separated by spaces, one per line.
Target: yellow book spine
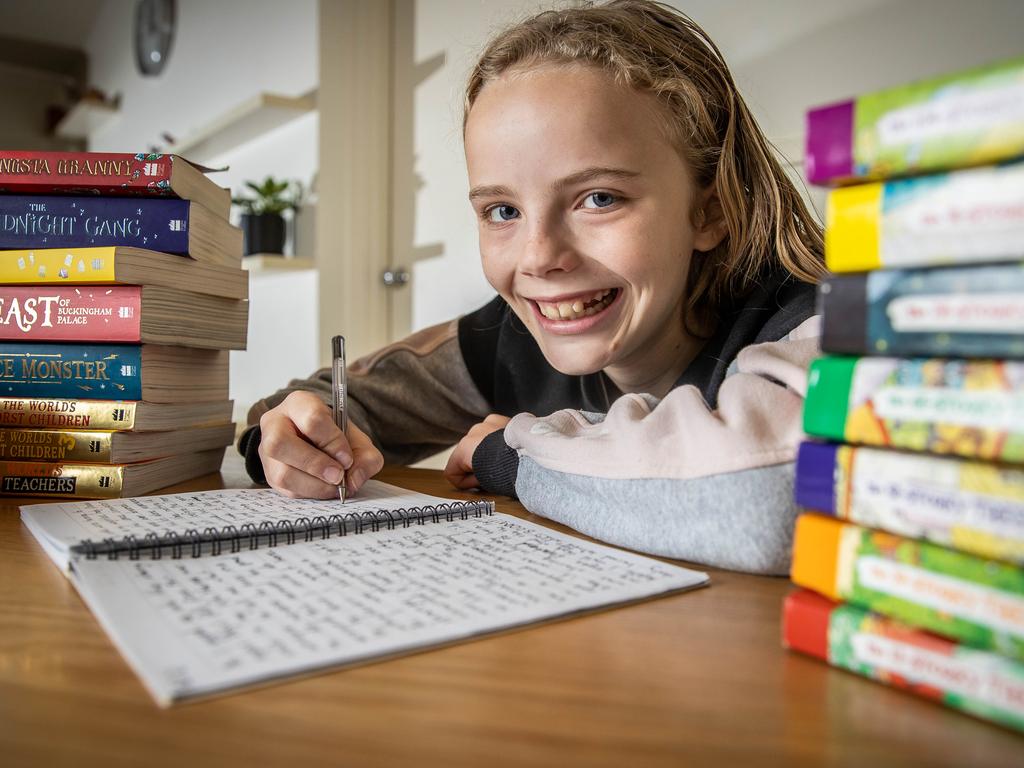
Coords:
pixel 852 222
pixel 55 413
pixel 57 265
pixel 73 481
pixel 55 445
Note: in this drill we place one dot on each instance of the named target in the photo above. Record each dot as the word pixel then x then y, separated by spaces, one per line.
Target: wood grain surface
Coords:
pixel 697 678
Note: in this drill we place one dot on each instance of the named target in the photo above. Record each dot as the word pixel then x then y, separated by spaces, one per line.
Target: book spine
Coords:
pixel 58 265
pixel 97 371
pixel 964 217
pixel 55 445
pixel 53 413
pixel 88 313
pixel 969 599
pixel 982 684
pixel 69 222
pixel 974 507
pixel 943 312
pixel 828 154
pixel 969 408
pixel 86 172
pixel 78 481
pixel 963 119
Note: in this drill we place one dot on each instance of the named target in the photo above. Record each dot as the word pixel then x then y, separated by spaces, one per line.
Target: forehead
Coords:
pixel 562 117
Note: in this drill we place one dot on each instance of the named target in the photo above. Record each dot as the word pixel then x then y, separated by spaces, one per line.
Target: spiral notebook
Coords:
pixel 207 592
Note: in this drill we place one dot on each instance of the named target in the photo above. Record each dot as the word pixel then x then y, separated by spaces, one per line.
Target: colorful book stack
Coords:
pixel 121 292
pixel 910 554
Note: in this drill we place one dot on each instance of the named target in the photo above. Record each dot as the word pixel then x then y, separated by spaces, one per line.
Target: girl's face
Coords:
pixel 585 212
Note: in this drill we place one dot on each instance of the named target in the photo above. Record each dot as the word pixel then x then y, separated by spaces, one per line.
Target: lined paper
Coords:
pixel 191 627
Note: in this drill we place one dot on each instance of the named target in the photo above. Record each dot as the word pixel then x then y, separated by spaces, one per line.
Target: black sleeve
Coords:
pixel 249 447
pixel 496 465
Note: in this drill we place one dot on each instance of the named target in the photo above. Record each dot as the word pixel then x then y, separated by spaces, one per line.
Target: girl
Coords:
pixel 654 267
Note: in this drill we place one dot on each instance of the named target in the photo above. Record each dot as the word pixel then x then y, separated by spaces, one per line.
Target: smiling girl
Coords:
pixel 640 374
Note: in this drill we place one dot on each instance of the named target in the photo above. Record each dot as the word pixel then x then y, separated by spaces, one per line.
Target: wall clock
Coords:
pixel 154 34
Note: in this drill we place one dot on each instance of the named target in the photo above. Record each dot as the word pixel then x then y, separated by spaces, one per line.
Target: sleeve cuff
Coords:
pixel 249 447
pixel 496 465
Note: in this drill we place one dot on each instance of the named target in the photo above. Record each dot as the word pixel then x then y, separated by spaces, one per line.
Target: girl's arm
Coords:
pixel 412 398
pixel 672 478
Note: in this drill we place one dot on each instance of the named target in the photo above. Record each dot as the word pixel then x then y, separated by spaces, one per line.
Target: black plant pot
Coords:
pixel 264 233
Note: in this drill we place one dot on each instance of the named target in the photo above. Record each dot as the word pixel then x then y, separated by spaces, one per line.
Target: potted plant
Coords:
pixel 263 222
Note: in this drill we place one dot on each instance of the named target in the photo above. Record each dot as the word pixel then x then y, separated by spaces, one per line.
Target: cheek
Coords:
pixel 498 260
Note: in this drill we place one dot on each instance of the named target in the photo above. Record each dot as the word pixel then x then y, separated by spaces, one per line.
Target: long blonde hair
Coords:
pixel 654 48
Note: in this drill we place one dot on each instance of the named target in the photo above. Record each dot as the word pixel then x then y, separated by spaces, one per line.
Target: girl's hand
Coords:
pixel 304 452
pixel 460 464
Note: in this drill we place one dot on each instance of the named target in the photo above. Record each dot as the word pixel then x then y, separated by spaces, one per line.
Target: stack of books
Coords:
pixel 910 554
pixel 121 292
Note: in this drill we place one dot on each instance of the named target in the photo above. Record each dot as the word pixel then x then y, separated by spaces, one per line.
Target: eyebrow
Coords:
pixel 580 177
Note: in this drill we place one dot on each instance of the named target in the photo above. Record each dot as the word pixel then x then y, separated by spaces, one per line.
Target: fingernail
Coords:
pixel 343 458
pixel 332 475
pixel 356 479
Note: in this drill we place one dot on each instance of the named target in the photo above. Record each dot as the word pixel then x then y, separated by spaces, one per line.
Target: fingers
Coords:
pixel 293 465
pixel 367 461
pixel 304 452
pixel 459 470
pixel 495 421
pixel 315 421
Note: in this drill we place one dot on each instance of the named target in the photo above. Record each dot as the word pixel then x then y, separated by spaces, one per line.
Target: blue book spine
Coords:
pixel 815 485
pixel 80 371
pixel 80 222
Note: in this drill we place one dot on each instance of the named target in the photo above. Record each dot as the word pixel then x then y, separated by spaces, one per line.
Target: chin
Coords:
pixel 573 365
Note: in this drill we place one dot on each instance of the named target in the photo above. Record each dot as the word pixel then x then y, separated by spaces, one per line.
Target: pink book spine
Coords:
pixel 94 313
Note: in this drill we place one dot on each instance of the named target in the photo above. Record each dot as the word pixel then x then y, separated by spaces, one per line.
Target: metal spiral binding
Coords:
pixel 211 540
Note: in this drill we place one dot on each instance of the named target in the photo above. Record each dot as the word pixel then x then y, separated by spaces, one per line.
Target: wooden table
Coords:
pixel 691 679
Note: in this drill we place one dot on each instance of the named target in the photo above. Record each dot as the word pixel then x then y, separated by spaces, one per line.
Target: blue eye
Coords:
pixel 500 213
pixel 599 200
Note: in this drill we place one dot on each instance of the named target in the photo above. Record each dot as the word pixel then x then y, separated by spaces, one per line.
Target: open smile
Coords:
pixel 577 307
pixel 575 314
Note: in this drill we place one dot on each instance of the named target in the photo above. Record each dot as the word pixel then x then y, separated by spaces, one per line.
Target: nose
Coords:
pixel 548 248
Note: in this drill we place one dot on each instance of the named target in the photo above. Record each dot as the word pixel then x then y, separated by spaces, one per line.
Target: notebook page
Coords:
pixel 62 525
pixel 196 626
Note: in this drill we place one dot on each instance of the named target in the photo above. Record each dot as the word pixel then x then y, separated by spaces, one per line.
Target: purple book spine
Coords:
pixel 816 477
pixel 829 153
pixel 81 222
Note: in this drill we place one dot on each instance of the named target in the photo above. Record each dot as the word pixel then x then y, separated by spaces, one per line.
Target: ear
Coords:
pixel 709 224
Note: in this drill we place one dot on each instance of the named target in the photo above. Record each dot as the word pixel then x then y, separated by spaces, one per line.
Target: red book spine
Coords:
pixel 84 173
pixel 805 617
pixel 95 313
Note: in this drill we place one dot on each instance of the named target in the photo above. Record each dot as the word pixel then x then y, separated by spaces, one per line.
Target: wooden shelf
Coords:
pixel 273 262
pixel 249 120
pixel 84 119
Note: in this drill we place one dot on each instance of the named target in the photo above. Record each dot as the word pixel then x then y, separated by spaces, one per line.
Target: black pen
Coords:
pixel 339 390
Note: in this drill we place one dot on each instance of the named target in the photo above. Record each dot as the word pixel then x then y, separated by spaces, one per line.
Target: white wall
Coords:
pixel 226 52
pixel 786 55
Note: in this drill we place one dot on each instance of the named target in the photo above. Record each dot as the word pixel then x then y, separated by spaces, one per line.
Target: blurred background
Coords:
pixel 357 104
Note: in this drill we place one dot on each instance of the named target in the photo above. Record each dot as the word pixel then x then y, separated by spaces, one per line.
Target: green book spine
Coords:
pixel 969 408
pixel 828 396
